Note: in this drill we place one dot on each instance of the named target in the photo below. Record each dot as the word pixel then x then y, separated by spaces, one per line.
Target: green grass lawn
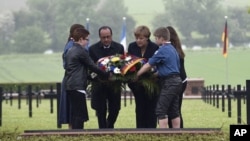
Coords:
pixel 208 64
pixel 196 114
pixel 215 69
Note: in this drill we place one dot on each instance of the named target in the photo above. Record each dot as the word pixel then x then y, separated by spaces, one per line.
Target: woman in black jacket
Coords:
pixel 145 103
pixel 77 63
pixel 64 106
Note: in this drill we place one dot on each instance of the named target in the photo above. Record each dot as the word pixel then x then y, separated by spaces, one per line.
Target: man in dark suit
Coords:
pixel 105 96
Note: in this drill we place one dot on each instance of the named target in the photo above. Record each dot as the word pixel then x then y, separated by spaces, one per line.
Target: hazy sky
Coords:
pixel 11 4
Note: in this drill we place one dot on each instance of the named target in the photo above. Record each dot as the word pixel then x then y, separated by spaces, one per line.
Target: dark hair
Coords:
pixel 80 33
pixel 104 27
pixel 175 41
pixel 72 29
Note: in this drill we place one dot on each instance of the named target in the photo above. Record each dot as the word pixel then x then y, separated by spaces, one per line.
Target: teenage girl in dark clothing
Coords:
pixel 175 41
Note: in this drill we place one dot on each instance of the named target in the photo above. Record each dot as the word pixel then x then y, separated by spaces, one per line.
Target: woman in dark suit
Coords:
pixel 145 103
pixel 175 41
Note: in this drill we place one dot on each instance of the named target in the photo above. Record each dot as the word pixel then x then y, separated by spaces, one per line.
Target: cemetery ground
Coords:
pixel 196 114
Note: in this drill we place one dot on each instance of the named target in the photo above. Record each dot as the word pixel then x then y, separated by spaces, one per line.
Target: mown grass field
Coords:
pixel 196 114
pixel 208 64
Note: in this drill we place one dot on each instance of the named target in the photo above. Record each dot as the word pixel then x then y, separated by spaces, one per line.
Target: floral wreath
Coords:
pixel 124 68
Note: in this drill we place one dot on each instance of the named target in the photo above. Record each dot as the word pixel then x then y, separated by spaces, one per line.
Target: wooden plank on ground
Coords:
pixel 157 131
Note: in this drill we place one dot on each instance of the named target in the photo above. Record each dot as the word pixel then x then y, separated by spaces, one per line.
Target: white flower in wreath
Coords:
pixel 128 58
pixel 117 70
pixel 105 61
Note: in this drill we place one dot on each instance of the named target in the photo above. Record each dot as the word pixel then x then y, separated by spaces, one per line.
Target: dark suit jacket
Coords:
pixel 96 51
pixel 135 50
pixel 101 91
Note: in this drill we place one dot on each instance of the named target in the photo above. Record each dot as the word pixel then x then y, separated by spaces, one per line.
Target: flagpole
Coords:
pixel 227 72
pixel 123 40
pixel 226 44
pixel 124 22
pixel 87 27
pixel 87 23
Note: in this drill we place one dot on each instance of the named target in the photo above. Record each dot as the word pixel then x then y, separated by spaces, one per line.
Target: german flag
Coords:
pixel 225 40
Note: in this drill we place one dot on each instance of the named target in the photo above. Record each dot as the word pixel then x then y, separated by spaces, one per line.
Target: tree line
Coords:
pixel 45 23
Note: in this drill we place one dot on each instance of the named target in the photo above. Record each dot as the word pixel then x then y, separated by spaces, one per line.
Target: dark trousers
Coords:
pixel 184 85
pixel 108 122
pixel 106 100
pixel 144 107
pixel 78 109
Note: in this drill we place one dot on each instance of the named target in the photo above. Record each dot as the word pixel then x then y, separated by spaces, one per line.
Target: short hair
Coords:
pixel 72 29
pixel 104 27
pixel 162 32
pixel 142 31
pixel 80 33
